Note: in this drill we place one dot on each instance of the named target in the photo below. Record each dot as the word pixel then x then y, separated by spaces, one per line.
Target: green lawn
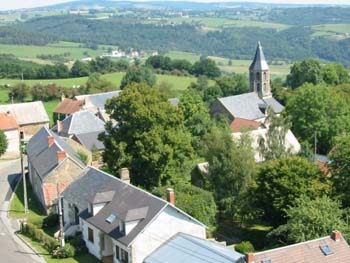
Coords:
pixel 49 107
pixel 332 30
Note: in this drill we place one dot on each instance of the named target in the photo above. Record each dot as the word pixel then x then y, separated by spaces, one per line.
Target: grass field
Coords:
pixel 75 50
pixel 178 82
pixel 209 23
pixel 340 30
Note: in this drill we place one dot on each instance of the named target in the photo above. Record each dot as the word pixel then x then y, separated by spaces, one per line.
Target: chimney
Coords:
pixel 50 140
pixel 61 155
pixel 170 195
pixel 249 257
pixel 336 235
pixel 59 126
pixel 124 175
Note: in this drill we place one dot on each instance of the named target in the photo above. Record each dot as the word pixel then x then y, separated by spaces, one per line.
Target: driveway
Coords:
pixel 12 249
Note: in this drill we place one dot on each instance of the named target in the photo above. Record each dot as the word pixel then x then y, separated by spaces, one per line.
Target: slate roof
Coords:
pixel 43 157
pixel 82 122
pixel 90 140
pixel 128 203
pixel 98 100
pixel 249 106
pixel 185 248
pixel 7 122
pixel 27 113
pixel 308 252
pixel 69 106
pixel 259 61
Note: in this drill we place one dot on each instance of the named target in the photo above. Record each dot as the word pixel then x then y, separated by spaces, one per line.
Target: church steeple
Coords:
pixel 259 76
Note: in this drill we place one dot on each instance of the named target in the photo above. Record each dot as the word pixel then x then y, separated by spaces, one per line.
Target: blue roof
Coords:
pixel 185 248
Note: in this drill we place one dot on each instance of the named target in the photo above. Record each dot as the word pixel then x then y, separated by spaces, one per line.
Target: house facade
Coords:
pixel 52 164
pixel 9 126
pixel 120 221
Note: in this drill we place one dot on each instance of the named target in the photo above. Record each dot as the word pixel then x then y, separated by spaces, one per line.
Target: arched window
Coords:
pixel 257 75
pixel 265 76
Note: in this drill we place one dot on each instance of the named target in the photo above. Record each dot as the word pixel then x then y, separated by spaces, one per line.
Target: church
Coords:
pixel 248 111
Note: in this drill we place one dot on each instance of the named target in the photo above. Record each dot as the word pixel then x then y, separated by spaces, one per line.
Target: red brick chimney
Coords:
pixel 50 140
pixel 249 257
pixel 336 235
pixel 170 195
pixel 61 155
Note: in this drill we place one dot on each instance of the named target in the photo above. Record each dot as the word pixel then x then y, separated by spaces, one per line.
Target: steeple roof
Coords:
pixel 259 62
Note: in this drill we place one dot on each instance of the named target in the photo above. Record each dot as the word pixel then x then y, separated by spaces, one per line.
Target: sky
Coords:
pixel 17 4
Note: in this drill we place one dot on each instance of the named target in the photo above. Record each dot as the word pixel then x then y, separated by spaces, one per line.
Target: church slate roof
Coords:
pixel 249 106
pixel 259 61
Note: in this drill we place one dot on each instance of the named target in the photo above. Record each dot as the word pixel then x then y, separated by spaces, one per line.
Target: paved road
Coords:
pixel 12 249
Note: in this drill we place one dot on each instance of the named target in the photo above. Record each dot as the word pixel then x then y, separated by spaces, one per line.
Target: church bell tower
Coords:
pixel 259 76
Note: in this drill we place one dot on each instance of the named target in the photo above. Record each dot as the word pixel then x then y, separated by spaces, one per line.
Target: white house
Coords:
pixel 120 221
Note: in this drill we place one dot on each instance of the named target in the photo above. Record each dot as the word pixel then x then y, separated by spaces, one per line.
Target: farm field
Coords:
pixel 75 50
pixel 178 82
pixel 340 30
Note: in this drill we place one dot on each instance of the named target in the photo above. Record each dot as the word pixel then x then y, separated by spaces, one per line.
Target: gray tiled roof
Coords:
pixel 89 140
pixel 27 113
pixel 82 122
pixel 248 105
pixel 99 100
pixel 189 249
pixel 244 106
pixel 259 61
pixel 129 202
pixel 276 106
pixel 44 158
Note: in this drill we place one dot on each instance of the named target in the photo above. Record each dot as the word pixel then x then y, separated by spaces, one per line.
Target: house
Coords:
pixel 67 107
pixel 189 249
pixel 83 127
pixel 30 116
pixel 329 249
pixel 9 126
pixel 247 112
pixel 52 164
pixel 96 102
pixel 120 221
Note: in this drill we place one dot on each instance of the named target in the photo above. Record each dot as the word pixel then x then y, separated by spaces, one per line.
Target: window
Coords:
pixel 265 76
pixel 124 256
pixel 117 255
pixel 265 87
pixel 326 250
pixel 91 235
pixel 258 87
pixel 111 218
pixel 257 75
pixel 121 254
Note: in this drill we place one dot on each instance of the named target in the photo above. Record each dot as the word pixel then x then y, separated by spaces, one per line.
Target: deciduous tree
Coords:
pixel 149 138
pixel 3 142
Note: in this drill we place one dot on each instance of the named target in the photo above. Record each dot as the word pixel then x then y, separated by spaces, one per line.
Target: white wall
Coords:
pixel 97 207
pixel 12 150
pixel 130 225
pixel 94 248
pixel 166 225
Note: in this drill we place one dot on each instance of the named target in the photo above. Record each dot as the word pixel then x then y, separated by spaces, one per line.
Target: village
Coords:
pixel 120 222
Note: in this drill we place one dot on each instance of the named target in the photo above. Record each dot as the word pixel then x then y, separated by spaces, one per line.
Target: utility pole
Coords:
pixel 22 148
pixel 60 215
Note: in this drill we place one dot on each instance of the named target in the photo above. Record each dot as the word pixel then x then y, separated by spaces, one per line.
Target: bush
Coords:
pixel 78 243
pixel 67 251
pixel 244 247
pixel 51 220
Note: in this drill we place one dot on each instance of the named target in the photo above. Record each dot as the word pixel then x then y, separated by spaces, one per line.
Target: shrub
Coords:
pixel 51 220
pixel 244 247
pixel 67 251
pixel 78 243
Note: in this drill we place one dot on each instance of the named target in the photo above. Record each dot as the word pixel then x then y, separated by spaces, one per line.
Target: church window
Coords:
pixel 258 88
pixel 257 75
pixel 265 76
